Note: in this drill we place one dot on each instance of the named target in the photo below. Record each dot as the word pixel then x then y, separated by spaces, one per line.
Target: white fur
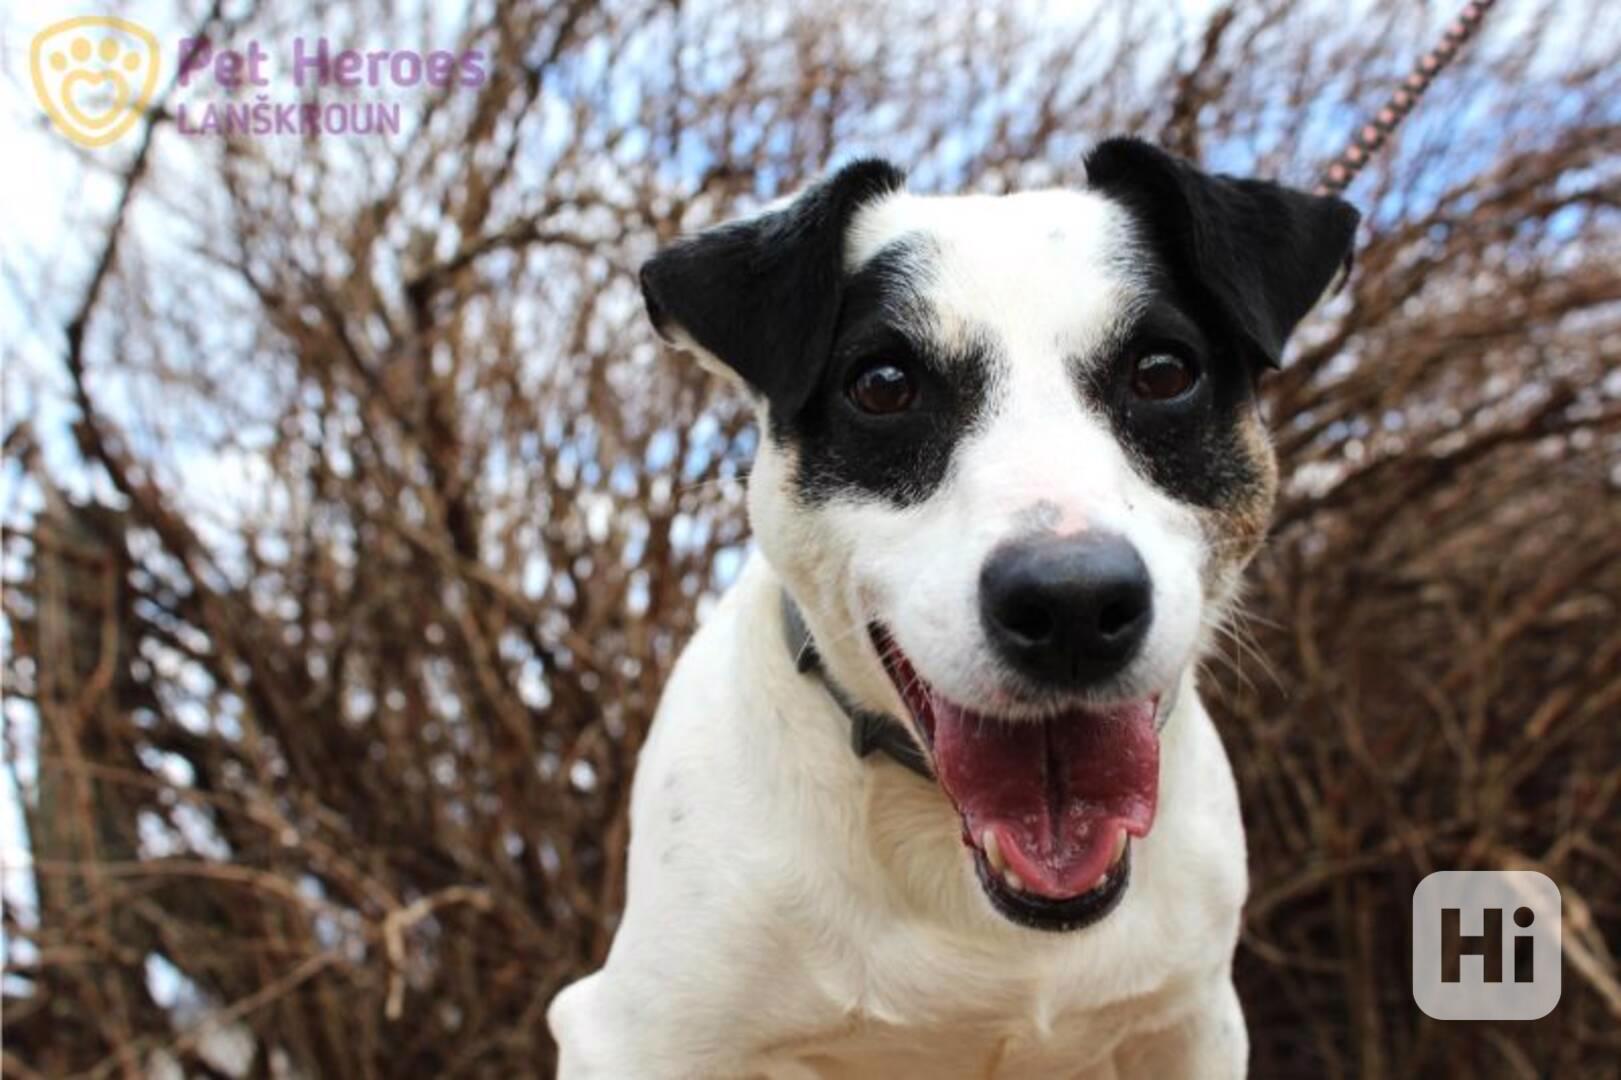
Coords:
pixel 795 911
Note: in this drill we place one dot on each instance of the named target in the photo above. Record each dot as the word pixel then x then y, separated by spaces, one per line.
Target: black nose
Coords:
pixel 1067 611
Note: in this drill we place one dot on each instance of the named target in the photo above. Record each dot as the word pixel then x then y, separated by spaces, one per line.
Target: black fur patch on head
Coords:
pixel 1192 448
pixel 902 458
pixel 1251 257
pixel 1233 265
pixel 763 295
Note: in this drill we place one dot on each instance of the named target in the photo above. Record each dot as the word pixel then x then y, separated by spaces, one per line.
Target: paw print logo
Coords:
pixel 94 75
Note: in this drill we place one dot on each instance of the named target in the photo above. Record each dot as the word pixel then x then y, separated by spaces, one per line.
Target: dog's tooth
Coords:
pixel 1014 881
pixel 1119 848
pixel 993 850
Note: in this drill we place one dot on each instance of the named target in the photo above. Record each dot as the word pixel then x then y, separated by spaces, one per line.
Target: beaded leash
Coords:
pixel 1374 134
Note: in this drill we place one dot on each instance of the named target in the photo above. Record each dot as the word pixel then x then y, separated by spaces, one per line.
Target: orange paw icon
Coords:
pixel 94 75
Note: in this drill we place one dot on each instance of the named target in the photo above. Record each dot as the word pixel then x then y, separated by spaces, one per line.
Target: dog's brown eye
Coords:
pixel 882 389
pixel 1162 376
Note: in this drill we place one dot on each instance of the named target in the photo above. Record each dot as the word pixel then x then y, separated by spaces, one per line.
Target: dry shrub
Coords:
pixel 339 603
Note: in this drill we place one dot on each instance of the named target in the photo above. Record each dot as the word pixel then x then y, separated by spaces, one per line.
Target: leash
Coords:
pixel 1374 134
pixel 869 731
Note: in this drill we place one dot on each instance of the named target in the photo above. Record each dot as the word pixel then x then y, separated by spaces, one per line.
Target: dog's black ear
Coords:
pixel 1256 255
pixel 762 295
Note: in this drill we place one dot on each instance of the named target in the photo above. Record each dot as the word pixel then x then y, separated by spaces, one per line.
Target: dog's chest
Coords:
pixel 1014 1040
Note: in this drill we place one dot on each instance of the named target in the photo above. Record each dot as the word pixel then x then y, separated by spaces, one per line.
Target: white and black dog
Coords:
pixel 1011 468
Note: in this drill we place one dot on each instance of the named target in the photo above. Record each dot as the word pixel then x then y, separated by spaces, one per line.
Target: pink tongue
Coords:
pixel 1056 792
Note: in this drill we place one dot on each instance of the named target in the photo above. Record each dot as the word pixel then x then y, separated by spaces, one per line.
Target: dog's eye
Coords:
pixel 1162 376
pixel 882 389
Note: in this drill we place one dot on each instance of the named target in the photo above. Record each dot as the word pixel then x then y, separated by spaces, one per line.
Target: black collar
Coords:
pixel 869 731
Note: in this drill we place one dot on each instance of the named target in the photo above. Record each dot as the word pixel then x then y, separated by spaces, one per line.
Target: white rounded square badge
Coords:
pixel 1486 945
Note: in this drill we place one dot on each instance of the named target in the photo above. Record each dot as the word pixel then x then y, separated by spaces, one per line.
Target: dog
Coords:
pixel 931 793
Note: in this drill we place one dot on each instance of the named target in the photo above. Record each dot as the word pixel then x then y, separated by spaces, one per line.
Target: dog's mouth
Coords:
pixel 1048 805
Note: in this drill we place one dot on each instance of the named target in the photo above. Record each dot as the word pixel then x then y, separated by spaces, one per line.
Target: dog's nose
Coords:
pixel 1066 611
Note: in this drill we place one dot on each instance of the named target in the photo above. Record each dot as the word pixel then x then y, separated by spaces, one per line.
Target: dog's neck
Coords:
pixel 870 732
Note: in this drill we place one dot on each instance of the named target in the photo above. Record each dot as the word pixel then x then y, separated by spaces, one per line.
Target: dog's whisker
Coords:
pixel 1228 627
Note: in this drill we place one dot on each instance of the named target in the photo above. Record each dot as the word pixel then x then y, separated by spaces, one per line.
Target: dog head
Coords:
pixel 1013 465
